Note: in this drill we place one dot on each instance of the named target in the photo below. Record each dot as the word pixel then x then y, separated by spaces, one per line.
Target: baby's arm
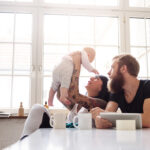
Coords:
pixel 86 64
pixel 51 97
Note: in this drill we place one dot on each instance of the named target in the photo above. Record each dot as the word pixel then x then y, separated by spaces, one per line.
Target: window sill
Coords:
pixel 14 117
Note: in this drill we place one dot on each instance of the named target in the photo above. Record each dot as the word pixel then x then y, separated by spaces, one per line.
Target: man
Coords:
pixel 127 92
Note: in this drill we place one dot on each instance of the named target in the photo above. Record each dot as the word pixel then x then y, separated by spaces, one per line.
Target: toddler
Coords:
pixel 62 73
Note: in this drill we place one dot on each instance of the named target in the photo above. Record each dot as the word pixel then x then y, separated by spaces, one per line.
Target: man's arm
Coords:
pixel 111 106
pixel 146 114
pixel 100 122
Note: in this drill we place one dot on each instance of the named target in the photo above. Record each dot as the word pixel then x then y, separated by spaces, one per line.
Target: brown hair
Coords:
pixel 131 63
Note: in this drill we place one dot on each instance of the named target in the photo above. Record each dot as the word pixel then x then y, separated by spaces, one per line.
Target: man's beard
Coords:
pixel 115 85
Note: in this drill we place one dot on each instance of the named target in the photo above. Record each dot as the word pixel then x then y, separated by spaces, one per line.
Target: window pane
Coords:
pixel 107 2
pixel 104 57
pixel 107 31
pixel 86 2
pixel 139 3
pixel 52 56
pixel 5 94
pixel 148 31
pixel 7 0
pixel 82 83
pixel 147 3
pixel 22 59
pixel 23 0
pixel 6 27
pixel 57 1
pixel 6 55
pixel 46 88
pixel 81 30
pixel 137 31
pixel 73 48
pixel 140 55
pixel 55 29
pixel 16 0
pixel 21 88
pixel 83 2
pixel 23 28
pixel 136 3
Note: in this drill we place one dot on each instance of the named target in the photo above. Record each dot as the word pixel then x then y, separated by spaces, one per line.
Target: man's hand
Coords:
pixel 96 112
pixel 102 123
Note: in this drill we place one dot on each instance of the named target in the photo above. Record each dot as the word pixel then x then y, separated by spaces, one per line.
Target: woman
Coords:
pixel 39 116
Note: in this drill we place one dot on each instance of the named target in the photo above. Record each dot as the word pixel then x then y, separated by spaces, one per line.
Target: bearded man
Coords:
pixel 128 93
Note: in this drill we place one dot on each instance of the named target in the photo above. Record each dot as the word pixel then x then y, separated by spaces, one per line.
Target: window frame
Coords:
pixel 37 8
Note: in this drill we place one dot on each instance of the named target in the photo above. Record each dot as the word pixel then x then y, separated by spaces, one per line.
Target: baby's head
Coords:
pixel 90 52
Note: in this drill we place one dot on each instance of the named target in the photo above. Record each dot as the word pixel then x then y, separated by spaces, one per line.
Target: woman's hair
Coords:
pixel 103 94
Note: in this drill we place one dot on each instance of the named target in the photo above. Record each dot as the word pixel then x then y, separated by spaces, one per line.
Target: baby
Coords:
pixel 62 73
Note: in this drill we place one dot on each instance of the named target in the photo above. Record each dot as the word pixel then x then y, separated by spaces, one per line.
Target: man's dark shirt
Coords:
pixel 136 106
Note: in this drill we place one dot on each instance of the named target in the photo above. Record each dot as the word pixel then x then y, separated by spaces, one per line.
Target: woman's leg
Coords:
pixel 38 118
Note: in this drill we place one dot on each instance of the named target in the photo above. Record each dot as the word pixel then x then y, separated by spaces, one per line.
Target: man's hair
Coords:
pixel 131 63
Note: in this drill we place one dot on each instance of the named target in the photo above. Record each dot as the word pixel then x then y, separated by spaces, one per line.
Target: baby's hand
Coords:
pixel 95 71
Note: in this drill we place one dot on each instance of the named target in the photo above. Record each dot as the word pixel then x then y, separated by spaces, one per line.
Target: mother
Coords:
pixel 39 116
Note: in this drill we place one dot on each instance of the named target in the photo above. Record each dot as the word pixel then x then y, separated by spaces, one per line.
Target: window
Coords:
pixel 86 2
pixel 15 59
pixel 97 32
pixel 139 3
pixel 35 34
pixel 140 43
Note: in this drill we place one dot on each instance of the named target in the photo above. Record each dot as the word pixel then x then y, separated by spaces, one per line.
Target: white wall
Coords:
pixel 10 131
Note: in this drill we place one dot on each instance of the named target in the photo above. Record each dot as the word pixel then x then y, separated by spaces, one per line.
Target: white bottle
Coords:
pixel 21 110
